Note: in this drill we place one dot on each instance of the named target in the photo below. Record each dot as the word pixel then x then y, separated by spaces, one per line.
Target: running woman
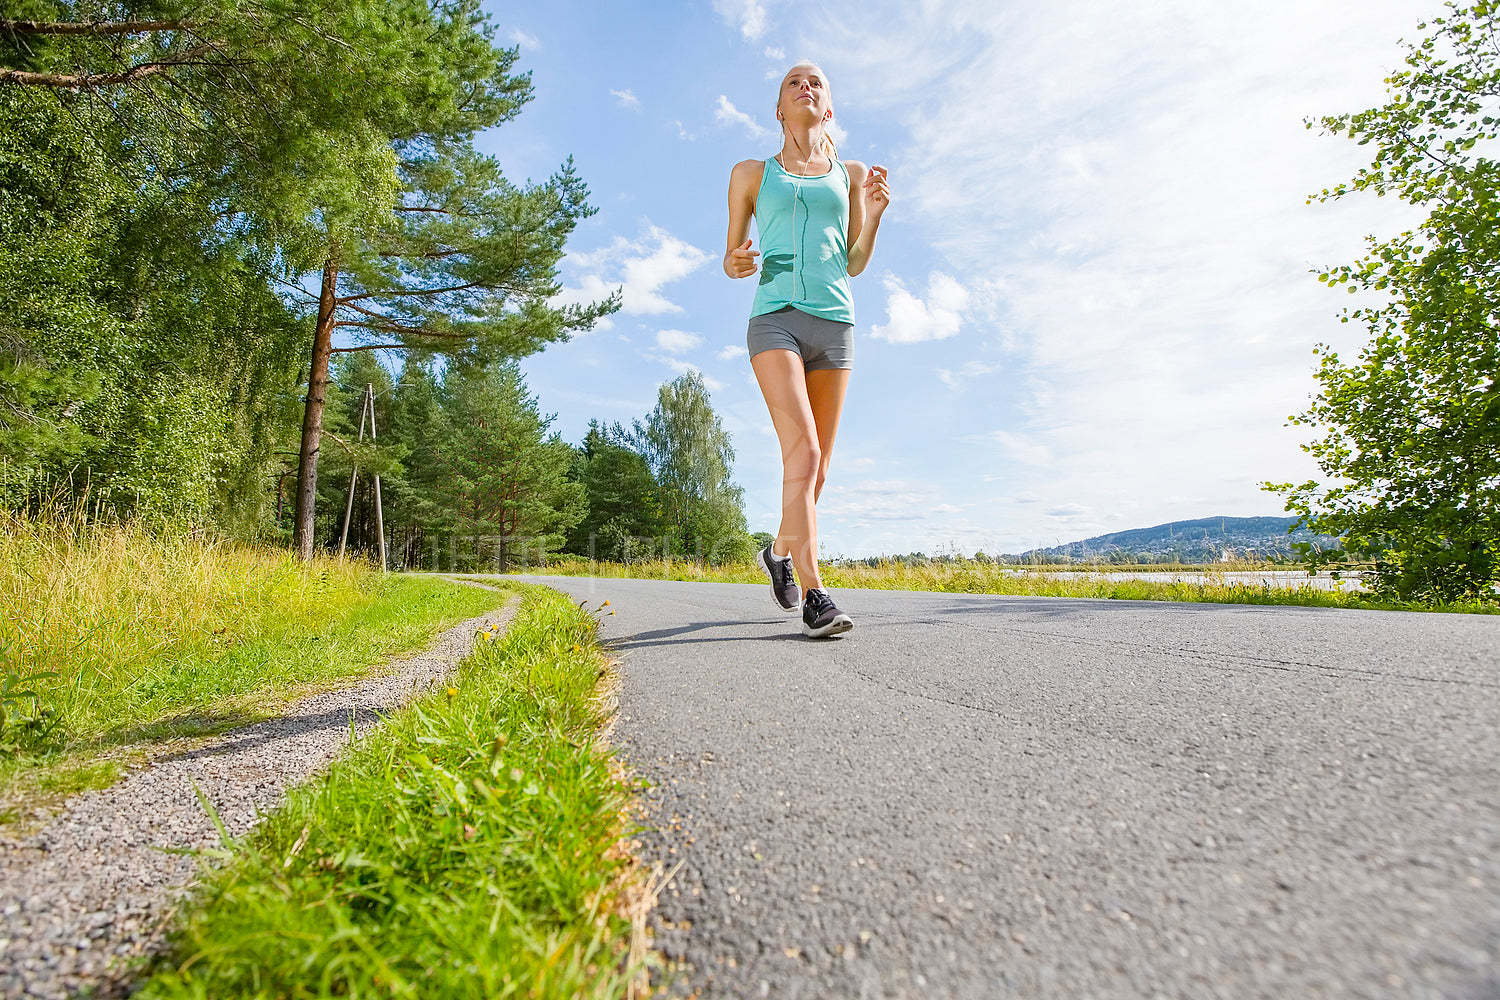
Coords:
pixel 817 216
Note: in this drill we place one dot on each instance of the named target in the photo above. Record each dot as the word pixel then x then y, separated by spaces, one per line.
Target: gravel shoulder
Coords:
pixel 95 888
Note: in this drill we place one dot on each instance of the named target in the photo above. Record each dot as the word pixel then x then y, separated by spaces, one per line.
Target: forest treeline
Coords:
pixel 472 478
pixel 215 215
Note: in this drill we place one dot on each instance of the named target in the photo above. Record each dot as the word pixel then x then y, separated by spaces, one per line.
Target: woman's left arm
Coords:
pixel 869 194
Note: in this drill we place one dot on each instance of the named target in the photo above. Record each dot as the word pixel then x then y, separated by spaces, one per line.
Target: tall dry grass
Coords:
pixel 970 577
pixel 121 615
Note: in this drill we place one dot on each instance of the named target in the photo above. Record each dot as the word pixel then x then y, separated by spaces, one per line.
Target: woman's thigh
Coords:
pixel 784 385
pixel 825 397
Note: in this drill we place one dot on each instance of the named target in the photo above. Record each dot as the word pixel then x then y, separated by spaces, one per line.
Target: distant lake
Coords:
pixel 1289 579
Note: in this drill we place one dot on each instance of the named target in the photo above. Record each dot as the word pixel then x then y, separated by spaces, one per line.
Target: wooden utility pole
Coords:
pixel 379 514
pixel 366 409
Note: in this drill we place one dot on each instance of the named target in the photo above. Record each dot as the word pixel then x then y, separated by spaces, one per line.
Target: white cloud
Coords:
pixel 626 99
pixel 731 351
pixel 954 378
pixel 749 16
pixel 677 341
pixel 912 320
pixel 1022 449
pixel 683 367
pixel 882 500
pixel 525 39
pixel 775 53
pixel 1121 189
pixel 1070 512
pixel 729 115
pixel 639 268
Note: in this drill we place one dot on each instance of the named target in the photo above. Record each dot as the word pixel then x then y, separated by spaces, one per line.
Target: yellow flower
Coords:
pixel 452 692
pixel 604 605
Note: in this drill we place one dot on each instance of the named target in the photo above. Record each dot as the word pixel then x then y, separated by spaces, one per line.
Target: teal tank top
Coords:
pixel 807 267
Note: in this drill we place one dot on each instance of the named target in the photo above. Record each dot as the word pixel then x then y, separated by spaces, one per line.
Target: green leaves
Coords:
pixel 25 722
pixel 625 514
pixel 690 454
pixel 170 171
pixel 466 263
pixel 1411 447
pixel 480 472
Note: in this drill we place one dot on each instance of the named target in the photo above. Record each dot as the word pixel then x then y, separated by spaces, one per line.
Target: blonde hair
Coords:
pixel 828 144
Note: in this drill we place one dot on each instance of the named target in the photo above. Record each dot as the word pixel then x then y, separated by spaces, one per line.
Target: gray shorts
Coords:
pixel 822 343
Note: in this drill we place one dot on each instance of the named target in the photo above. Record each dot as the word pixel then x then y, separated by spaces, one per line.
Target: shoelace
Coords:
pixel 818 601
pixel 781 571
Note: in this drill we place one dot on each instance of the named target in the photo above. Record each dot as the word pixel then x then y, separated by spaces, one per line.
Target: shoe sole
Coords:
pixel 760 557
pixel 840 624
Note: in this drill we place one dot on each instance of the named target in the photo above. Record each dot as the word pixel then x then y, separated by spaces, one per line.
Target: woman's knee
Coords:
pixel 805 464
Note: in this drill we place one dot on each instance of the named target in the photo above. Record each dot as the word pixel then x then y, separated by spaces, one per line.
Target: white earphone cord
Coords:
pixel 797 246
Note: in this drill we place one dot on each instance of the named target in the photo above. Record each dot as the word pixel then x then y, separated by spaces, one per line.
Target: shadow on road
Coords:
pixel 669 636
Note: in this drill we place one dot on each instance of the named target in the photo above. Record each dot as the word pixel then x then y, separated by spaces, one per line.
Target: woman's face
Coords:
pixel 804 93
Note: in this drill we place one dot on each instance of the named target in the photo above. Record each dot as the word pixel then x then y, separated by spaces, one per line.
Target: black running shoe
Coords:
pixel 783 583
pixel 820 617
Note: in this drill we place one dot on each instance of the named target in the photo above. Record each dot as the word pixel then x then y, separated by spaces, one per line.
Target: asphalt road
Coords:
pixel 975 796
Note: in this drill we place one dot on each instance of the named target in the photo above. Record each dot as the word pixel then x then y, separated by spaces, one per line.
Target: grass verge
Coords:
pixel 467 848
pixel 126 640
pixel 968 577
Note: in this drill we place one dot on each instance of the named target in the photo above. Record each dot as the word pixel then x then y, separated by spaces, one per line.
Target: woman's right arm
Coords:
pixel 744 182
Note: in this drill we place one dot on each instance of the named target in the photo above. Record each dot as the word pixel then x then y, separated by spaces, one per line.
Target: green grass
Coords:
pixel 150 639
pixel 969 577
pixel 467 848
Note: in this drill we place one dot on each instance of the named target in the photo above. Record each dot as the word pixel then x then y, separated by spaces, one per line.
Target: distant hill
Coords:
pixel 1207 539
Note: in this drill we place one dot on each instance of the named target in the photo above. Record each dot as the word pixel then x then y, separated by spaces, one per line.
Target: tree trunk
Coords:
pixel 312 414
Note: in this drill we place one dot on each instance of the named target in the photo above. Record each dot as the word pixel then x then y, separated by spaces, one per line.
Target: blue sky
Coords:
pixel 1091 305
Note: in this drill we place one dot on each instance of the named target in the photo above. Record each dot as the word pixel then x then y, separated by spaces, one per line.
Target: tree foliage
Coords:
pixel 170 171
pixel 690 455
pixel 146 358
pixel 503 481
pixel 458 261
pixel 624 519
pixel 1411 429
pixel 472 477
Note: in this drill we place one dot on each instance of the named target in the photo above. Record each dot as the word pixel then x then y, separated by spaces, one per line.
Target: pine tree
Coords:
pixel 501 484
pixel 465 268
pixel 624 516
pixel 234 147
